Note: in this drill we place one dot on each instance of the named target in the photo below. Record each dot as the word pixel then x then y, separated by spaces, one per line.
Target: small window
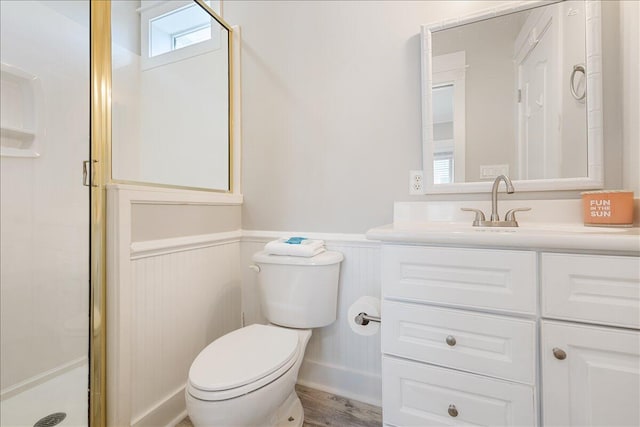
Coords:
pixel 175 30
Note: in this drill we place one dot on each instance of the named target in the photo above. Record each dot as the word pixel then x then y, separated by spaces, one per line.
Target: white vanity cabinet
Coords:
pixel 590 373
pixel 465 340
pixel 458 336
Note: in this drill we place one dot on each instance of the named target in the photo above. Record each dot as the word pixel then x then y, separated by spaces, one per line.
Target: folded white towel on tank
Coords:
pixel 295 246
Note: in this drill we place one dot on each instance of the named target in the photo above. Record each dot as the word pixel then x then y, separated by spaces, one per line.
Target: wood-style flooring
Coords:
pixel 328 410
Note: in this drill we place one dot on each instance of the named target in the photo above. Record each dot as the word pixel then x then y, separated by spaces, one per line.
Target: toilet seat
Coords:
pixel 242 361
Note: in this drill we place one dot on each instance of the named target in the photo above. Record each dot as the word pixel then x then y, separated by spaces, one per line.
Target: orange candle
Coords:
pixel 612 208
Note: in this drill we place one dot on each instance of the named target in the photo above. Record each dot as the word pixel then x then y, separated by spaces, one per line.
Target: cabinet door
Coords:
pixel 596 382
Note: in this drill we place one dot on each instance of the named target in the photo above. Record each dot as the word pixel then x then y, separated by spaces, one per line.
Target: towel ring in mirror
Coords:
pixel 572 87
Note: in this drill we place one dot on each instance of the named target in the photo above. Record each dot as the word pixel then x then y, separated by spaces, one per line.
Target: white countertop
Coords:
pixel 551 224
pixel 533 236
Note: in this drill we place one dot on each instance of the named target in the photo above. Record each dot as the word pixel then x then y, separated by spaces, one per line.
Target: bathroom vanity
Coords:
pixel 538 325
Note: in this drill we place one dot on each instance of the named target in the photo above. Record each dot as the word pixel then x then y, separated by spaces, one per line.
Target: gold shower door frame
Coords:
pixel 100 104
pixel 100 172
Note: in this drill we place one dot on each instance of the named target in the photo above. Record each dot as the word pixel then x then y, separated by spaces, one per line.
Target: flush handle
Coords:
pixel 255 268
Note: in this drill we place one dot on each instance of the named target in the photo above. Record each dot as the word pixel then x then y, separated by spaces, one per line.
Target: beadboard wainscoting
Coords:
pixel 167 300
pixel 337 360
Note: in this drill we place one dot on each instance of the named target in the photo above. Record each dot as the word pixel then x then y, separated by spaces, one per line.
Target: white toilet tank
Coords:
pixel 299 292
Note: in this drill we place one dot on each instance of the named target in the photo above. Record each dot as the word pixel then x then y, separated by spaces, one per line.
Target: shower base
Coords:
pixel 65 393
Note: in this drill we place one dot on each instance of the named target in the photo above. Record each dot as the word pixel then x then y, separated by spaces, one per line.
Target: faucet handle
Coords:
pixel 511 214
pixel 479 215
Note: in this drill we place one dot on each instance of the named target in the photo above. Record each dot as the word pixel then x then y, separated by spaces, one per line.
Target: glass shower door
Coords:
pixel 44 213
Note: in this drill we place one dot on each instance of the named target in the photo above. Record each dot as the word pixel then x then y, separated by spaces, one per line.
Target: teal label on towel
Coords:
pixel 295 240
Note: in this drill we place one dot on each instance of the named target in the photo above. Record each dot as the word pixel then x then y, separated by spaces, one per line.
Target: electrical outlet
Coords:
pixel 416 183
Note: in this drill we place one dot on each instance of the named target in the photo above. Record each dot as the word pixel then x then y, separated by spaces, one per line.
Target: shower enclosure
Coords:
pixel 46 213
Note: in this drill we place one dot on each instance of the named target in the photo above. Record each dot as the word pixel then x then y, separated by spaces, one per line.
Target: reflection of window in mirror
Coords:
pixel 448 101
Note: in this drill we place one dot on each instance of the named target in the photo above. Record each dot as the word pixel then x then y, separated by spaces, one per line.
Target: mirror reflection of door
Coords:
pixel 443 161
pixel 539 110
pixel 448 94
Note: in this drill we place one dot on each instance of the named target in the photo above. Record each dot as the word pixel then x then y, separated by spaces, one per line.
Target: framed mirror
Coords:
pixel 171 94
pixel 516 90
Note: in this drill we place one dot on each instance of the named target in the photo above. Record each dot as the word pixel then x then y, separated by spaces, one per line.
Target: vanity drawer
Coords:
pixel 421 395
pixel 483 278
pixel 485 344
pixel 591 288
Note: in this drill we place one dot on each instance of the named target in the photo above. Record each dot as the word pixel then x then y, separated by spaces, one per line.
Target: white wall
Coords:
pixel 331 109
pixel 44 206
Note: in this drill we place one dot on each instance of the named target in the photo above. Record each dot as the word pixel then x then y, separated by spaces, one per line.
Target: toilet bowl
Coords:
pixel 243 378
pixel 247 377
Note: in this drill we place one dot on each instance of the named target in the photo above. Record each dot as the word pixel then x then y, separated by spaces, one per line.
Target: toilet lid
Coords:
pixel 242 357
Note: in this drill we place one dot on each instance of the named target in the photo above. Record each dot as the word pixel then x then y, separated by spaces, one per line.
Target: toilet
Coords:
pixel 247 377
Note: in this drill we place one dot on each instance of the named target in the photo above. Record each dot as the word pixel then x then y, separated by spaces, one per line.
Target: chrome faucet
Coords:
pixel 509 218
pixel 494 195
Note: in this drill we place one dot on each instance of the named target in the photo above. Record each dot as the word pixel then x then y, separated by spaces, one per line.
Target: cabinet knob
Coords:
pixel 451 340
pixel 559 353
pixel 453 411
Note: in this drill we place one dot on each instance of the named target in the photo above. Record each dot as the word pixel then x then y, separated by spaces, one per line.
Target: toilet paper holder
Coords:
pixel 364 319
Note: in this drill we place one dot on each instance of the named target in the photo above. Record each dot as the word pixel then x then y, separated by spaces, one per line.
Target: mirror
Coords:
pixel 514 91
pixel 170 94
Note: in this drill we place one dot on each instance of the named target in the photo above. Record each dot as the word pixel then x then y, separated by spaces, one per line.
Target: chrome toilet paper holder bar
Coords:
pixel 364 319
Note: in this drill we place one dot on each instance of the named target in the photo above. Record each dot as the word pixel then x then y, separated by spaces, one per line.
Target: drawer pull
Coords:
pixel 453 411
pixel 559 353
pixel 451 340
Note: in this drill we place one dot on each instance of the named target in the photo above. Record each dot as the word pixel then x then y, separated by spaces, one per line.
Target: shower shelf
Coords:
pixel 21 96
pixel 21 141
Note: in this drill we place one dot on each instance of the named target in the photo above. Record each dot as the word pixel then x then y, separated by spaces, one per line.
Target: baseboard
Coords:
pixel 167 412
pixel 174 422
pixel 360 386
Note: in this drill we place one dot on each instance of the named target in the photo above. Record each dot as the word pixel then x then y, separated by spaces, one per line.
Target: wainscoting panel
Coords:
pixel 167 300
pixel 183 301
pixel 337 360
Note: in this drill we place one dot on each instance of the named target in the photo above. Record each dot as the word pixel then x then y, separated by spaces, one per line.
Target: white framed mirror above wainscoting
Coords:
pixel 514 90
